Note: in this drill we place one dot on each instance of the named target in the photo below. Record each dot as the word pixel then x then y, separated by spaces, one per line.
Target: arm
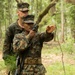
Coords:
pixel 20 42
pixel 45 37
pixel 48 35
pixel 7 43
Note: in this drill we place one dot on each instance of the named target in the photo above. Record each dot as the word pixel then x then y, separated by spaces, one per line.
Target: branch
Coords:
pixel 18 1
pixel 53 3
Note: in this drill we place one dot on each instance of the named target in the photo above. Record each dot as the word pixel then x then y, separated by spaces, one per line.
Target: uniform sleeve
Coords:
pixel 7 43
pixel 45 37
pixel 20 43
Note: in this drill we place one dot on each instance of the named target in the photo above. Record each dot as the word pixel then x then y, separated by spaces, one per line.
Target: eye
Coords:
pixel 30 23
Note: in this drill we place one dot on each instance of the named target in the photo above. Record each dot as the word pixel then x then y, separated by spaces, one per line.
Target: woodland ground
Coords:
pixel 52 61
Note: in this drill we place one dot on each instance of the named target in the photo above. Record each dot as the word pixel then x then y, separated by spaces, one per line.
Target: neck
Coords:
pixel 20 23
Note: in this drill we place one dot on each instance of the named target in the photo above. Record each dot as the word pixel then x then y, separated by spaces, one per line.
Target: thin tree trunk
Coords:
pixel 62 22
pixel 37 8
pixel 40 4
pixel 0 31
pixel 32 3
pixel 10 10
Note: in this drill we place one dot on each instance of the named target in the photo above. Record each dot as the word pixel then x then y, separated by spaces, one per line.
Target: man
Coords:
pixel 28 45
pixel 14 28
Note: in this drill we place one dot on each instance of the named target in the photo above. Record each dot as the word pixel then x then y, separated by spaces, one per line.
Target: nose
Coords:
pixel 25 15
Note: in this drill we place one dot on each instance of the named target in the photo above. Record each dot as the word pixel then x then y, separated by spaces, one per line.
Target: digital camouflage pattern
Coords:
pixel 29 51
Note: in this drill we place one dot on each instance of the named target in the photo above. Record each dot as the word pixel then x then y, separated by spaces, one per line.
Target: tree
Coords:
pixel 1 17
pixel 32 7
pixel 62 21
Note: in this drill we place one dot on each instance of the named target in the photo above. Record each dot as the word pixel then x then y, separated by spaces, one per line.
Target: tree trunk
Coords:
pixel 9 11
pixel 0 31
pixel 32 7
pixel 62 22
pixel 40 5
pixel 37 8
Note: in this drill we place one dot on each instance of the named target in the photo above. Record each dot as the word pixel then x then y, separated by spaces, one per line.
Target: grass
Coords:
pixel 2 65
pixel 57 69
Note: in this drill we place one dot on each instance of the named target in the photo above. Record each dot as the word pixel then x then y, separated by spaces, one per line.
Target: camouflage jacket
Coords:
pixel 30 49
pixel 9 35
pixel 22 43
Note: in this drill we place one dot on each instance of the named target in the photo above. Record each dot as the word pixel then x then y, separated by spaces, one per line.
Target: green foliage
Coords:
pixel 10 62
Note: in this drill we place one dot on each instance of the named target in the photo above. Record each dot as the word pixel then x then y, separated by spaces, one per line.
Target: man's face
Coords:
pixel 28 26
pixel 22 13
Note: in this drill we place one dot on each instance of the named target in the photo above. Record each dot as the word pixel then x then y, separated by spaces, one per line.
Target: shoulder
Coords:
pixel 11 28
pixel 19 36
pixel 13 25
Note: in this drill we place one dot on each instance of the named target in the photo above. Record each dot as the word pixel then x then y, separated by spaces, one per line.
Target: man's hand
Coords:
pixel 31 33
pixel 50 29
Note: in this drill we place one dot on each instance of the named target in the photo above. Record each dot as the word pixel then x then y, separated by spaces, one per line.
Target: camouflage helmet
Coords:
pixel 23 6
pixel 28 19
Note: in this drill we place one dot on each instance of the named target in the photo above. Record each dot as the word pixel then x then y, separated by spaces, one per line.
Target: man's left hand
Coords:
pixel 50 29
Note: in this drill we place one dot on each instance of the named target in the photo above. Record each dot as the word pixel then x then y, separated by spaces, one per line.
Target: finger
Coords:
pixel 48 27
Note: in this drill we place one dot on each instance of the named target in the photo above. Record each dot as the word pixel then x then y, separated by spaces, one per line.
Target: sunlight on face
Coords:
pixel 22 13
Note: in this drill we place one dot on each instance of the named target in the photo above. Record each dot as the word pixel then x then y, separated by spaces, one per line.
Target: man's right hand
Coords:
pixel 31 33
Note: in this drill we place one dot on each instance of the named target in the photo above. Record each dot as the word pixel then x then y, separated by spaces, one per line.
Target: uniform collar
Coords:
pixel 18 27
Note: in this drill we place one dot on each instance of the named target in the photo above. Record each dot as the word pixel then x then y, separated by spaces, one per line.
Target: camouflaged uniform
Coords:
pixel 29 51
pixel 8 53
pixel 12 30
pixel 9 35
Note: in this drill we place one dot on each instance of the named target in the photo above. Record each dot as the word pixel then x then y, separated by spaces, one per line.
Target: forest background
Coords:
pixel 58 54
